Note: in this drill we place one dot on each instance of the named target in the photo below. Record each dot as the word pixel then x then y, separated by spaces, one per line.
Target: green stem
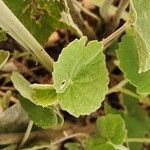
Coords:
pixel 17 30
pixel 128 92
pixel 138 140
pixel 117 87
pixel 116 33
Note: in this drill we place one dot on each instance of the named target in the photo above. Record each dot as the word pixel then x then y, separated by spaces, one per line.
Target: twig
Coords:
pixel 69 137
pixel 86 11
pixel 77 18
pixel 113 23
pixel 116 33
pixel 7 88
pixel 117 87
pixel 27 133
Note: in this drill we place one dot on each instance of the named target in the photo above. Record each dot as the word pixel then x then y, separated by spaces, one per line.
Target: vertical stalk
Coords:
pixel 104 10
pixel 10 24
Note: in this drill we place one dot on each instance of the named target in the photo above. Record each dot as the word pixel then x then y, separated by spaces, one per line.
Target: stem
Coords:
pixel 138 140
pixel 104 10
pixel 128 92
pixel 116 33
pixel 121 8
pixel 70 136
pixel 17 30
pixel 86 11
pixel 78 20
pixel 117 87
pixel 27 133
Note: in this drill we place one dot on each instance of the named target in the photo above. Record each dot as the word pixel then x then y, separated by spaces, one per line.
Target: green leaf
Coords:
pixel 40 94
pixel 13 119
pixel 67 19
pixel 43 94
pixel 4 55
pixel 112 127
pixel 136 119
pixel 140 14
pixel 43 117
pixel 129 63
pixel 37 18
pixel 80 77
pixel 98 143
pixel 22 85
pixel 41 18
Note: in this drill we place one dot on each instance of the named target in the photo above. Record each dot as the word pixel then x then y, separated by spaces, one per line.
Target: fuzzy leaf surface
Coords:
pixel 80 77
pixel 98 143
pixel 112 127
pixel 43 117
pixel 129 63
pixel 43 94
pixel 40 94
pixel 37 17
pixel 140 14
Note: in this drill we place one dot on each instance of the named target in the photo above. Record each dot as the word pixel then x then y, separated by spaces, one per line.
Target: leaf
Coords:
pixel 136 119
pixel 43 95
pixel 140 14
pixel 3 36
pixel 42 117
pixel 18 31
pixel 36 17
pixel 40 18
pixel 80 77
pixel 4 55
pixel 22 85
pixel 14 119
pixel 67 19
pixel 98 143
pixel 128 58
pixel 112 127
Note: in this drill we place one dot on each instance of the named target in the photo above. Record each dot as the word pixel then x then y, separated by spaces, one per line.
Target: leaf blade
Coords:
pixel 81 69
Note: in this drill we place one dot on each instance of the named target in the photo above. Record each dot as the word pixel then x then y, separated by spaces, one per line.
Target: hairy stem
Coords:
pixel 17 30
pixel 114 21
pixel 78 20
pixel 116 33
pixel 130 93
pixel 117 87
